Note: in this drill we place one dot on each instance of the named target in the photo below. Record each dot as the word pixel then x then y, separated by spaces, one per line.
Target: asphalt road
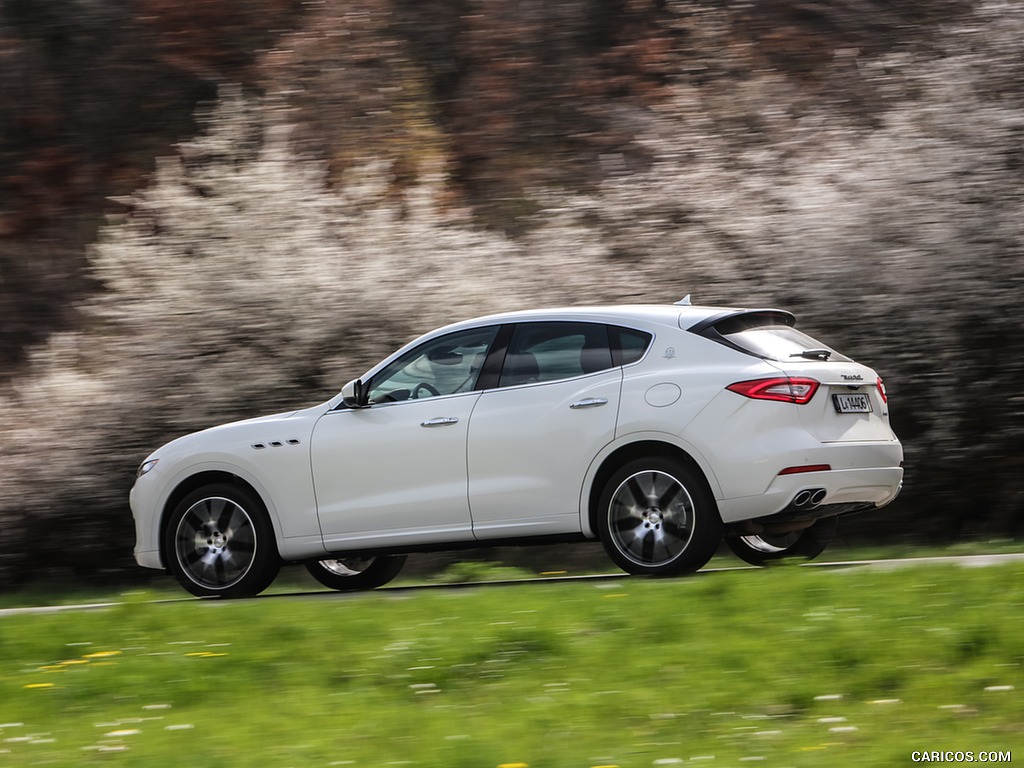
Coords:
pixel 965 561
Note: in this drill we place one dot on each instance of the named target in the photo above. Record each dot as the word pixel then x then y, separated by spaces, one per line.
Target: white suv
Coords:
pixel 656 429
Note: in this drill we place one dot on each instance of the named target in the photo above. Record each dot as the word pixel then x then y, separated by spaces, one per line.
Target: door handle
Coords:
pixel 442 421
pixel 590 402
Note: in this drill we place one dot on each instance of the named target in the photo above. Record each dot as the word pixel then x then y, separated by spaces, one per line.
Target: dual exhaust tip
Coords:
pixel 809 498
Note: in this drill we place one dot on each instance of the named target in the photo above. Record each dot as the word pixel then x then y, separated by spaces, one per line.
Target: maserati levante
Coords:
pixel 657 430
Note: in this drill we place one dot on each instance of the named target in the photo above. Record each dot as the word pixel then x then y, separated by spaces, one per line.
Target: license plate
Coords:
pixel 853 402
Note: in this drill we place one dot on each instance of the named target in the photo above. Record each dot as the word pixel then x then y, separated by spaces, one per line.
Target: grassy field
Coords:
pixel 780 667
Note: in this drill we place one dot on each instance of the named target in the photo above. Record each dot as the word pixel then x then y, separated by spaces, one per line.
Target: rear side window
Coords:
pixel 628 345
pixel 539 352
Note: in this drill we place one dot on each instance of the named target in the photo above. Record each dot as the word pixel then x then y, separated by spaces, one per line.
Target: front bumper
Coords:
pixel 144 505
pixel 149 558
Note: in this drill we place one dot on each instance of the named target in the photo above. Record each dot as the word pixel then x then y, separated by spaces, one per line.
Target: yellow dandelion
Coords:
pixel 101 654
pixel 40 685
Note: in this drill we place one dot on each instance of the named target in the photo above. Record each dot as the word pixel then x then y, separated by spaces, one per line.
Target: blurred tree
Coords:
pixel 534 93
pixel 92 93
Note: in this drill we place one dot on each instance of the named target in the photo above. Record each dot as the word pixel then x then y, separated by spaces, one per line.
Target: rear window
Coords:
pixel 768 334
pixel 782 343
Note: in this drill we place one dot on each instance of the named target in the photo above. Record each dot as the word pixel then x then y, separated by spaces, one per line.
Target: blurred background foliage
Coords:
pixel 216 209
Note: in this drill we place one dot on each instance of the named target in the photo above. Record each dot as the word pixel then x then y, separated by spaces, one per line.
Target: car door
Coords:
pixel 394 473
pixel 532 438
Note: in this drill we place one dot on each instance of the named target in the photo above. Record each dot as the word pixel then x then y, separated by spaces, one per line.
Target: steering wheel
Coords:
pixel 424 385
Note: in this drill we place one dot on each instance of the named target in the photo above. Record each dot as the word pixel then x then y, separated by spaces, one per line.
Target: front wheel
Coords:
pixel 806 544
pixel 356 573
pixel 220 543
pixel 657 517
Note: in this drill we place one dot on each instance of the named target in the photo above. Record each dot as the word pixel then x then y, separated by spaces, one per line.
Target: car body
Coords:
pixel 656 429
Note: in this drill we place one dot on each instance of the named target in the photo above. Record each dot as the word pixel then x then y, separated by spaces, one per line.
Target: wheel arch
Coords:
pixel 196 481
pixel 647 447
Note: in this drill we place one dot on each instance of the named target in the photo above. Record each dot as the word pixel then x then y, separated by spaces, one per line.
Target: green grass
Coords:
pixel 782 666
pixel 67 590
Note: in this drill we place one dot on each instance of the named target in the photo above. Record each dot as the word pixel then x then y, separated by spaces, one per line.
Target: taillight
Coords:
pixel 784 389
pixel 881 389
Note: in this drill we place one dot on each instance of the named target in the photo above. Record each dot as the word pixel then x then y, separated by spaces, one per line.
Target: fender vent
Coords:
pixel 276 444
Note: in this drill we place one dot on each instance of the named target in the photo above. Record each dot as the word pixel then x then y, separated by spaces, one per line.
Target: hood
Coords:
pixel 222 434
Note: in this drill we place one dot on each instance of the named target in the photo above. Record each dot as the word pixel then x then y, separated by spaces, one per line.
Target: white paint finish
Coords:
pixel 279 475
pixel 662 395
pixel 380 474
pixel 529 451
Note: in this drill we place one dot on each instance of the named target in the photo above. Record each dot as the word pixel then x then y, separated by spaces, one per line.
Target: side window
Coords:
pixel 539 352
pixel 628 345
pixel 442 366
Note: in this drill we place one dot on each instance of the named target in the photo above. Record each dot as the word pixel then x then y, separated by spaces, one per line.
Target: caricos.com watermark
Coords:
pixel 950 756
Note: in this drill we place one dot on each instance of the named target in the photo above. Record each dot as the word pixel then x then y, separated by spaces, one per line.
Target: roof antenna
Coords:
pixel 685 302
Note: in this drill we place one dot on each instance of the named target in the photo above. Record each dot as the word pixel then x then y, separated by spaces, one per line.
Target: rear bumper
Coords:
pixel 845 490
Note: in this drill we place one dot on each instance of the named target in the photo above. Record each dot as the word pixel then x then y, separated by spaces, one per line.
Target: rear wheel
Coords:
pixel 356 573
pixel 764 548
pixel 657 517
pixel 220 543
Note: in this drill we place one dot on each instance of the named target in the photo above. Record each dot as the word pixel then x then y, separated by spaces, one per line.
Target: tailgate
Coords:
pixel 848 406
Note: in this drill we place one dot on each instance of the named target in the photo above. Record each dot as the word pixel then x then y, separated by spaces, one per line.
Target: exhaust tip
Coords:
pixel 818 496
pixel 802 499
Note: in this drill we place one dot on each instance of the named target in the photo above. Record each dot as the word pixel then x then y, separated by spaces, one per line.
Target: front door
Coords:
pixel 391 475
pixel 394 473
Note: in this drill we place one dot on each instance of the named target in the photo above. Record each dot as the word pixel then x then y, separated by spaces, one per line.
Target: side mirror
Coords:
pixel 354 394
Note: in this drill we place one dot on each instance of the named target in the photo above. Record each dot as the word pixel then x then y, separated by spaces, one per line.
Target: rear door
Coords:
pixel 531 439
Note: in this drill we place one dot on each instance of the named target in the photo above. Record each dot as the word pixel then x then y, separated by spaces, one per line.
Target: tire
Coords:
pixel 220 543
pixel 356 573
pixel 763 549
pixel 657 517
